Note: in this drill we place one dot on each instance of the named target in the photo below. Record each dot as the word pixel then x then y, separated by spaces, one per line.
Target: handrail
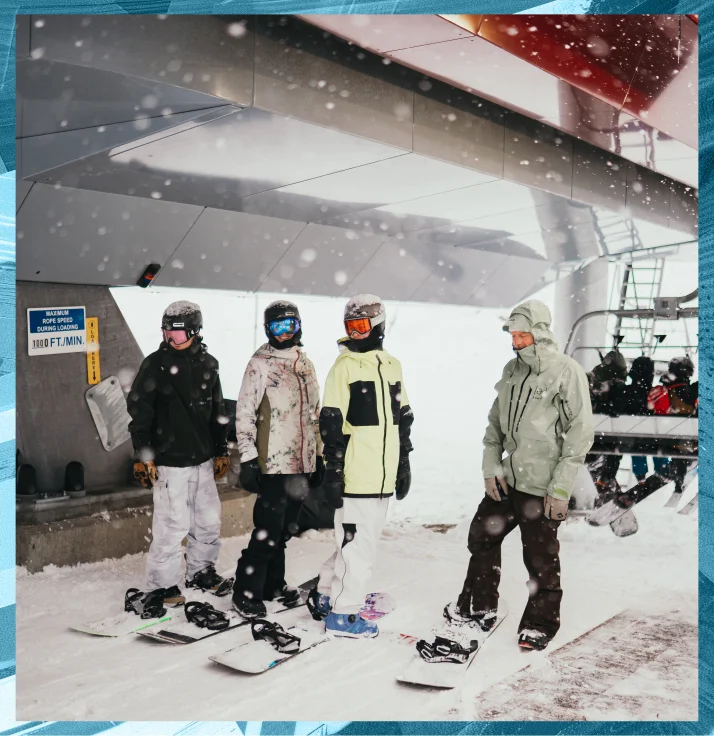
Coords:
pixel 684 313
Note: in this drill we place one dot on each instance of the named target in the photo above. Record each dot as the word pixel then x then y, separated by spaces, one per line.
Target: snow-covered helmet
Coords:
pixel 363 313
pixel 285 316
pixel 181 321
pixel 681 368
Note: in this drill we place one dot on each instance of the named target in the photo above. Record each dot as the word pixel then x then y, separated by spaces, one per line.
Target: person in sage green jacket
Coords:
pixel 540 428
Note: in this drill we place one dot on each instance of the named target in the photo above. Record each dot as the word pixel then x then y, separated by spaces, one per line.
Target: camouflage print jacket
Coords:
pixel 277 412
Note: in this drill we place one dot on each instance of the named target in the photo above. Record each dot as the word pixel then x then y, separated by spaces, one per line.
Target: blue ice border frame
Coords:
pixel 8 10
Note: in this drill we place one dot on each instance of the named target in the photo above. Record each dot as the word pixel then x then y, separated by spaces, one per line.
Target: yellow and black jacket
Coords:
pixel 366 421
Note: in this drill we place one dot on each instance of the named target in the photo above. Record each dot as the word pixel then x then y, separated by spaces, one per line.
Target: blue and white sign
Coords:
pixel 56 330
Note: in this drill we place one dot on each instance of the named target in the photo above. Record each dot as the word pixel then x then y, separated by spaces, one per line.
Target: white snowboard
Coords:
pixel 446 675
pixel 121 625
pixel 255 657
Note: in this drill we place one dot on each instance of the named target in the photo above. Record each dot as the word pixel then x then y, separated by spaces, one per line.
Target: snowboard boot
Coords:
pixel 209 580
pixel 173 597
pixel 350 625
pixel 154 602
pixel 318 605
pixel 286 596
pixel 249 609
pixel 530 639
pixel 483 620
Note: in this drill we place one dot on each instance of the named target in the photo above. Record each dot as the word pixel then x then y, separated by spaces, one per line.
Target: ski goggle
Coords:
pixel 177 337
pixel 288 326
pixel 361 326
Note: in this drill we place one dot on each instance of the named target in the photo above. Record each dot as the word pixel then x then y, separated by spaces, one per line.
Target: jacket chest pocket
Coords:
pixel 362 410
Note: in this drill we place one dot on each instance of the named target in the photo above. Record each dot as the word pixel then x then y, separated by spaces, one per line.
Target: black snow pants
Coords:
pixel 260 574
pixel 494 520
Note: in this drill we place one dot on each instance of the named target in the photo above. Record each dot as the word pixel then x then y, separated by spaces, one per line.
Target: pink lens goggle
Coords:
pixel 177 337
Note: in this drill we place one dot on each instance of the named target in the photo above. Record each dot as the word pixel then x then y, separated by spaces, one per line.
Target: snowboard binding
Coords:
pixel 205 616
pixel 275 635
pixel 134 602
pixel 444 650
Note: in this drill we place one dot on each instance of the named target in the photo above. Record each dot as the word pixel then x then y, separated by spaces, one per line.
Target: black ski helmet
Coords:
pixel 282 309
pixel 183 315
pixel 681 368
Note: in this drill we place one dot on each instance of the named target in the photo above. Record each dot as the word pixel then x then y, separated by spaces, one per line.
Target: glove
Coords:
pixel 555 508
pixel 333 487
pixel 146 473
pixel 316 478
pixel 492 488
pixel 250 476
pixel 404 478
pixel 220 466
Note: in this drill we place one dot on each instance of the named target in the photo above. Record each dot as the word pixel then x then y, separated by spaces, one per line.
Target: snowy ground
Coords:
pixel 651 577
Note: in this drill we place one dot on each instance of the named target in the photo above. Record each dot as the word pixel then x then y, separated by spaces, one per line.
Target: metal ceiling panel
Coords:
pixel 457 275
pixel 382 33
pixel 684 209
pixel 81 237
pixel 322 260
pixel 327 92
pixel 205 53
pixel 648 195
pixel 361 188
pixel 466 137
pixel 59 97
pixel 509 283
pixel 218 163
pixel 395 271
pixel 599 178
pixel 22 36
pixel 229 250
pixel 44 152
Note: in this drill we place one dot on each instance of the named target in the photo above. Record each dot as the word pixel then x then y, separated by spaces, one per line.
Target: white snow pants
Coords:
pixel 346 575
pixel 185 503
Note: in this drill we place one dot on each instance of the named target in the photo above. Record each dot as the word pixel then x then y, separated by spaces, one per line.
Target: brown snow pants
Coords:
pixel 494 520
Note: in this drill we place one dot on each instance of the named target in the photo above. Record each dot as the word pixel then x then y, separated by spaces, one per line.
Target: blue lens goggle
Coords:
pixel 287 326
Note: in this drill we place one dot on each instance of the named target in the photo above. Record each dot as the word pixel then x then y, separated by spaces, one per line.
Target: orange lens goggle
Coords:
pixel 361 326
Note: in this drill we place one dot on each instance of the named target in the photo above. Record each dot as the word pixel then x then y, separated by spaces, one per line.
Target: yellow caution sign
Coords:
pixel 93 373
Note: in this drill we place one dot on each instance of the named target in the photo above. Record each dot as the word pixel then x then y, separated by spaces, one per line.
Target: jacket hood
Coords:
pixel 534 316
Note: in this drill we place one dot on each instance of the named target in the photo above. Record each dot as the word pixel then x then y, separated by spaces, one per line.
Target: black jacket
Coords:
pixel 177 407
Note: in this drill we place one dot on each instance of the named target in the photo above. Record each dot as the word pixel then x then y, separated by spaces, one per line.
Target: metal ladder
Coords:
pixel 641 284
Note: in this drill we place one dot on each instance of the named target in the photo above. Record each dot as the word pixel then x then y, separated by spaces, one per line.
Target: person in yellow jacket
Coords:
pixel 365 423
pixel 542 421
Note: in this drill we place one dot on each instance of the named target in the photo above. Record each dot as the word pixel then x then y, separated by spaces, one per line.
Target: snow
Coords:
pixel 177 309
pixel 649 579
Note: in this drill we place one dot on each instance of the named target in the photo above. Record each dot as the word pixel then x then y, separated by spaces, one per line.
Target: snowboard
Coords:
pixel 181 632
pixel 446 675
pixel 689 507
pixel 121 625
pixel 255 657
pixel 674 500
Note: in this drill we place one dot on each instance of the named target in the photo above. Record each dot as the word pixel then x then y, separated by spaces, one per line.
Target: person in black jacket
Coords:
pixel 179 431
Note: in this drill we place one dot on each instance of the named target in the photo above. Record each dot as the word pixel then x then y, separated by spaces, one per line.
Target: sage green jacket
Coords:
pixel 541 418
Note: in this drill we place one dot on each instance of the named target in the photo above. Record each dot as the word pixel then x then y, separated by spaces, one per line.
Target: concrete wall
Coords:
pixel 54 426
pixel 112 533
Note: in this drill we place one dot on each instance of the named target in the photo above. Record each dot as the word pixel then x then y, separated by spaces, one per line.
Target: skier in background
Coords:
pixel 366 425
pixel 281 456
pixel 542 419
pixel 179 432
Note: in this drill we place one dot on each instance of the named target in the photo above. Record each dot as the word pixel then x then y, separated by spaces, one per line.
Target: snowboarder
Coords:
pixel 281 455
pixel 542 420
pixel 179 431
pixel 365 423
pixel 608 395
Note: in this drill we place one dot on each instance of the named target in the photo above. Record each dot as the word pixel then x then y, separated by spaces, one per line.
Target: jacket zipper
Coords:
pixel 530 391
pixel 510 406
pixel 520 393
pixel 384 417
pixel 302 433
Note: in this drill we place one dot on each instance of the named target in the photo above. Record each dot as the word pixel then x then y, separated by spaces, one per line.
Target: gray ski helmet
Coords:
pixel 280 309
pixel 366 306
pixel 183 315
pixel 681 368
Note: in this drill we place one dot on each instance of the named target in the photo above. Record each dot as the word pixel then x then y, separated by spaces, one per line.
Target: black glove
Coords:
pixel 333 486
pixel 404 477
pixel 249 476
pixel 316 478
